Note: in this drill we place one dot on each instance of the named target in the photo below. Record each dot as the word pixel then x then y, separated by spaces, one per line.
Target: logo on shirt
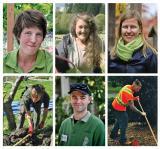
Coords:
pixel 64 138
pixel 85 141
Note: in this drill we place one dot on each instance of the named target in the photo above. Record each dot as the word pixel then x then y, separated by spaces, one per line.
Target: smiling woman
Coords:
pixel 30 30
pixel 82 47
pixel 131 52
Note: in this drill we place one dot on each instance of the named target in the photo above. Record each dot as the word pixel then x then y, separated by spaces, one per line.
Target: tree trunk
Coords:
pixel 111 22
pixel 7 105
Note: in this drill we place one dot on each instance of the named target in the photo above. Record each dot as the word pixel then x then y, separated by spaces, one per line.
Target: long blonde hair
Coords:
pixel 94 43
pixel 131 14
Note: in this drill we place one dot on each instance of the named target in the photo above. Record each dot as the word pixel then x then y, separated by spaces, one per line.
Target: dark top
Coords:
pixel 62 51
pixel 138 63
pixel 28 103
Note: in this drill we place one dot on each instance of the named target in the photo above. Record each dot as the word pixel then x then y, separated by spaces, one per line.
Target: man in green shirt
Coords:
pixel 82 128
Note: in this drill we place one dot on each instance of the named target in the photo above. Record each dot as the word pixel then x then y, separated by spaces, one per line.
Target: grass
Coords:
pixel 22 86
pixel 49 122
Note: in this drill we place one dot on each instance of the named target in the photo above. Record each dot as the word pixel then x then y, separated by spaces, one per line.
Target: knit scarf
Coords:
pixel 125 51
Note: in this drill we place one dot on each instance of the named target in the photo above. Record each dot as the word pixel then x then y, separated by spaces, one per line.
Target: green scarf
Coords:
pixel 125 51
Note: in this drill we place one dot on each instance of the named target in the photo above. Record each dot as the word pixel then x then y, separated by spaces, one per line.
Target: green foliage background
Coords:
pixel 45 8
pixel 64 18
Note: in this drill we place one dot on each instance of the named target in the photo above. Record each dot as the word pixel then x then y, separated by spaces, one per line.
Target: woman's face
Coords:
pixel 82 30
pixel 129 30
pixel 30 40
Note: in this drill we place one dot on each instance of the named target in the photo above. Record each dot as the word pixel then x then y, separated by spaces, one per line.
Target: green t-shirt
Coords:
pixel 43 63
pixel 89 131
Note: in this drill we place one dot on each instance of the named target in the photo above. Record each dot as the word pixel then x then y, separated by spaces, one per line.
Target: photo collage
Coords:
pixel 79 74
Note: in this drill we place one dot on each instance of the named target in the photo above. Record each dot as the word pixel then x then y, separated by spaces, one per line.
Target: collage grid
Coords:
pixel 54 75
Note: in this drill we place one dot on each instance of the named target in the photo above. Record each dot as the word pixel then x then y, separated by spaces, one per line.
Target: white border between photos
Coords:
pixel 105 74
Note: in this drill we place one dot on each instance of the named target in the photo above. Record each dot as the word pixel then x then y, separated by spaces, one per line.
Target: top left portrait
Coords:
pixel 27 38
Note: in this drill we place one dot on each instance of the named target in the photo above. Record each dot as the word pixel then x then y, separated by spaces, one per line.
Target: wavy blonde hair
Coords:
pixel 129 15
pixel 94 43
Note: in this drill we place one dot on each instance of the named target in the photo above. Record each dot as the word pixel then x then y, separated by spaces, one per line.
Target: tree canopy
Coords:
pixel 90 8
pixel 45 8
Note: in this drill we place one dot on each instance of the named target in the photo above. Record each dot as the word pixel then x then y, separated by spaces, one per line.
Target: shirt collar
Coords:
pixel 13 63
pixel 85 118
pixel 39 60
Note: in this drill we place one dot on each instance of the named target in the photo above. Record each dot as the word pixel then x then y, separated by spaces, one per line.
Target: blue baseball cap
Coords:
pixel 82 87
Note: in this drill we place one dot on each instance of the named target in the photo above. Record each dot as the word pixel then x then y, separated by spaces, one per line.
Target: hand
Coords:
pixel 30 130
pixel 136 98
pixel 41 125
pixel 143 113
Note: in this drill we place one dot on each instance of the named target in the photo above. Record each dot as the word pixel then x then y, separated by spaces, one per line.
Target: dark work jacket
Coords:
pixel 62 50
pixel 138 63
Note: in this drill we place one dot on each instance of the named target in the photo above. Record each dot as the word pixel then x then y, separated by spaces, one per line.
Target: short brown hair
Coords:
pixel 137 82
pixel 29 18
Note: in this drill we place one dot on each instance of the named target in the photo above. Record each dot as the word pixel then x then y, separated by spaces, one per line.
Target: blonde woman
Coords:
pixel 82 48
pixel 132 53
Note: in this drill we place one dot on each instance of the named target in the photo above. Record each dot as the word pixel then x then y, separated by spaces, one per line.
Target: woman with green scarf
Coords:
pixel 132 53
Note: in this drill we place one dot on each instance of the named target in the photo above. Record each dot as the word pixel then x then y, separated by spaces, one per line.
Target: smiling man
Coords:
pixel 82 128
pixel 124 98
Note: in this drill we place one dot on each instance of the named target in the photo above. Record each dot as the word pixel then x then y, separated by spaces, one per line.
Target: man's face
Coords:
pixel 137 88
pixel 35 96
pixel 79 101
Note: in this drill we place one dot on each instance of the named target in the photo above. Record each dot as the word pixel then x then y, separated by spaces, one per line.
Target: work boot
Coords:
pixel 114 137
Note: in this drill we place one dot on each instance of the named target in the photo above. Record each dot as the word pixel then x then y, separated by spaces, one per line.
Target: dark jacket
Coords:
pixel 62 51
pixel 138 63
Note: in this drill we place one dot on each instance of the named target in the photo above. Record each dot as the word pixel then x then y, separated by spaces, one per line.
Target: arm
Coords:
pixel 151 65
pixel 29 119
pixel 45 111
pixel 132 107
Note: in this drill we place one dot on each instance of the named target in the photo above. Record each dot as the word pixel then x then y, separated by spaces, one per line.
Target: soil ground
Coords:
pixel 136 131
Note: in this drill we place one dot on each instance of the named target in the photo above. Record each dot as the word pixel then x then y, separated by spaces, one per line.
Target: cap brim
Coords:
pixel 85 93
